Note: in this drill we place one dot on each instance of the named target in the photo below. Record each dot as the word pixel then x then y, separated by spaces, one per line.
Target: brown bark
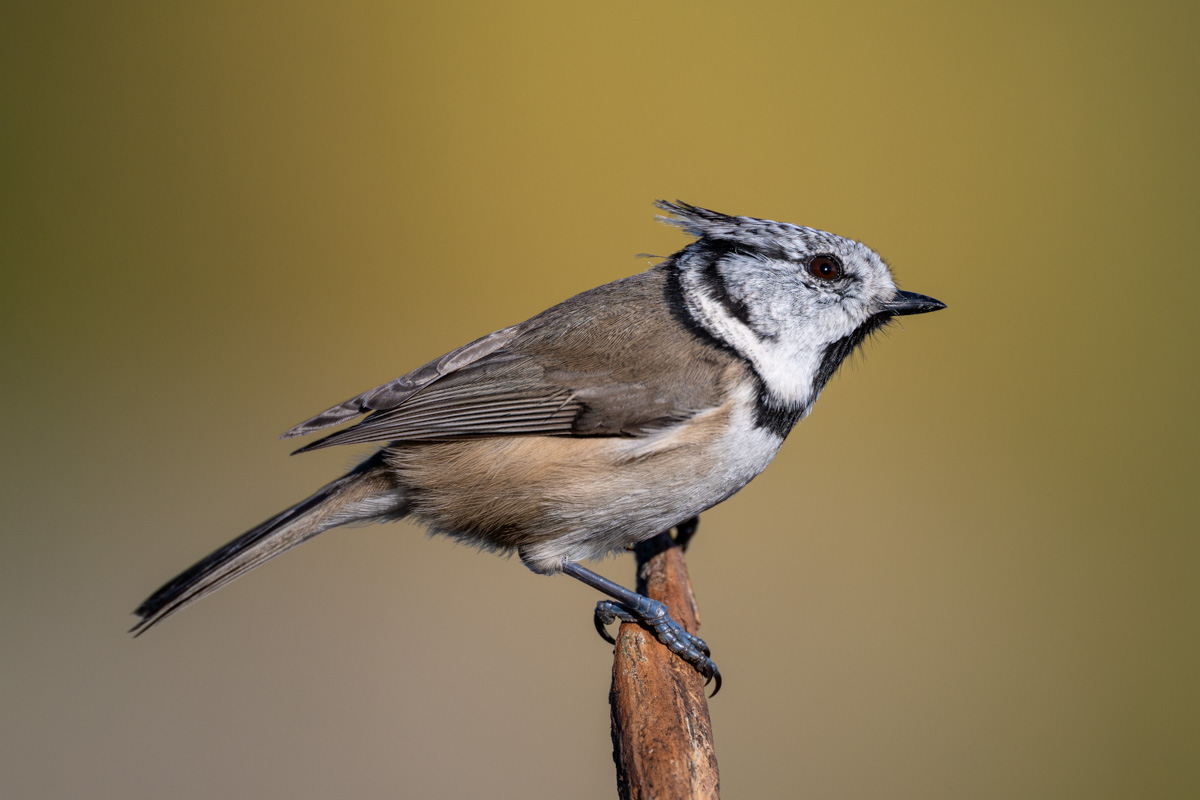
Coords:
pixel 662 736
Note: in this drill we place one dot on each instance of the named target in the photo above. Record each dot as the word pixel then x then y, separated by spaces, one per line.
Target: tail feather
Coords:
pixel 365 493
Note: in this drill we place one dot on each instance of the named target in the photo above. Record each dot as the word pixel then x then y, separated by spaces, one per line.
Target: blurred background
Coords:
pixel 970 573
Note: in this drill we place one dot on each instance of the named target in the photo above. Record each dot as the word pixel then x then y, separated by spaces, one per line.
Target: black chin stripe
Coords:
pixel 840 350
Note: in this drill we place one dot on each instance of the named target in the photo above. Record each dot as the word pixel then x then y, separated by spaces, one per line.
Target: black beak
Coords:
pixel 911 303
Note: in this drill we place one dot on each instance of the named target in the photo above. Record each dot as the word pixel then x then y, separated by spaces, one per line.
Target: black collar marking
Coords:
pixel 780 419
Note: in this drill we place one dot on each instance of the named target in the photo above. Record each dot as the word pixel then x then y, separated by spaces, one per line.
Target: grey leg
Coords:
pixel 633 607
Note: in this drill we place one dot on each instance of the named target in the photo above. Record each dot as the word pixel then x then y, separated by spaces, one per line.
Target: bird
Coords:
pixel 620 413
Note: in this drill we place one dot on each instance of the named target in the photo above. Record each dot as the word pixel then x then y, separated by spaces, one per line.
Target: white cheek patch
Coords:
pixel 787 364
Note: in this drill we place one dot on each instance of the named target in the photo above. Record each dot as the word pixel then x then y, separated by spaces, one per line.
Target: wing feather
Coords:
pixel 608 362
pixel 490 412
pixel 395 392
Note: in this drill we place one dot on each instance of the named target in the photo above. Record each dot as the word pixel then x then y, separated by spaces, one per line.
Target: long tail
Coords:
pixel 368 492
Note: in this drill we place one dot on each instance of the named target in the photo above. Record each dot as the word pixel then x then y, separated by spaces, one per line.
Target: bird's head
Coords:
pixel 794 301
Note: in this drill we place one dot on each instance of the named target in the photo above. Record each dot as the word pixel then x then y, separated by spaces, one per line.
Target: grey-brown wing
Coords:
pixel 611 361
pixel 502 396
pixel 395 392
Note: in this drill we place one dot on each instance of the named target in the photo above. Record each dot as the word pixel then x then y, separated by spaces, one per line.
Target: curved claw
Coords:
pixel 706 667
pixel 716 675
pixel 602 628
pixel 607 612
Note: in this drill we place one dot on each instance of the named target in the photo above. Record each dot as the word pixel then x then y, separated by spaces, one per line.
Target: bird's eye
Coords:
pixel 826 268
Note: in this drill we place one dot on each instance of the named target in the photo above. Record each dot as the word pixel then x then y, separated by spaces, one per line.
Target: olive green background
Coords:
pixel 971 573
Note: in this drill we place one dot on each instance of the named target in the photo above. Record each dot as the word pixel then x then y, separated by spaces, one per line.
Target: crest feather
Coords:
pixel 699 221
pixel 768 238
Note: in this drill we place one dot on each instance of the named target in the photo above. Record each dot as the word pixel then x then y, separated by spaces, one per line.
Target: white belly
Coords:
pixel 658 482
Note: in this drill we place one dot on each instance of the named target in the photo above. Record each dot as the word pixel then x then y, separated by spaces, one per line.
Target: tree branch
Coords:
pixel 662 735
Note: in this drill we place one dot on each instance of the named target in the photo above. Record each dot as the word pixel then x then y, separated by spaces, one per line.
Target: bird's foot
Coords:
pixel 653 614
